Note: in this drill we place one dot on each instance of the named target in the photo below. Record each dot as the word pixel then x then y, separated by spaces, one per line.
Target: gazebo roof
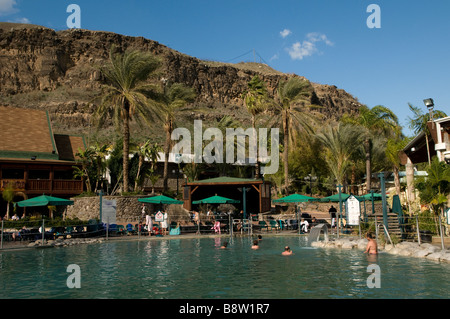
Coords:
pixel 226 180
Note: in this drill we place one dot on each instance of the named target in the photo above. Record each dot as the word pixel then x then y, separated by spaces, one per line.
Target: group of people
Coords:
pixel 255 245
pixel 152 229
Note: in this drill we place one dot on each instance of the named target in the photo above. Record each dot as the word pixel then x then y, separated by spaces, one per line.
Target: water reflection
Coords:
pixel 198 268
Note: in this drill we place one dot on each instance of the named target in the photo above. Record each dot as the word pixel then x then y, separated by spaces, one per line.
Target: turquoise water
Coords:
pixel 197 268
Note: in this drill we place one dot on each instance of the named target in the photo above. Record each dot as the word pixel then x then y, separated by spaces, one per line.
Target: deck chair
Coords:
pixel 121 229
pixel 262 224
pixel 130 229
pixel 274 224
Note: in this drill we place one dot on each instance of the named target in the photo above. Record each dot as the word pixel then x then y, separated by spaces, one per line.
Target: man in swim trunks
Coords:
pixel 372 247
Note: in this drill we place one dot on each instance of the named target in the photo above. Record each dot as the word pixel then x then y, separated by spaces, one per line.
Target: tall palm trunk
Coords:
pixel 141 163
pixel 285 150
pixel 257 164
pixel 126 145
pixel 169 129
pixel 368 158
pixel 397 180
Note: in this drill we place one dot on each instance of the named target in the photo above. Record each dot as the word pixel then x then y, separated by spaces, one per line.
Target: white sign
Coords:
pixel 353 211
pixel 159 217
pixel 109 211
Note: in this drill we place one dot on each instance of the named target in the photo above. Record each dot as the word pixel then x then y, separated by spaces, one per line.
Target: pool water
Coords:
pixel 198 268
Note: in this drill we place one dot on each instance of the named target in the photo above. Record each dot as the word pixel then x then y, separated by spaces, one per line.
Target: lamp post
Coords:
pixel 429 103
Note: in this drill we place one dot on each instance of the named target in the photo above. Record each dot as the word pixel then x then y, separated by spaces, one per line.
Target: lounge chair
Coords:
pixel 262 224
pixel 121 230
pixel 130 229
pixel 274 224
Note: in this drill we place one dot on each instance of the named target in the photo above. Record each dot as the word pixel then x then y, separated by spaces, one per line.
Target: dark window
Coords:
pixel 63 174
pixel 12 173
pixel 38 174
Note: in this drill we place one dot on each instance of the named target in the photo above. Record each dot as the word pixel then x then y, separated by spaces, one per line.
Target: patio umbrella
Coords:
pixel 161 199
pixel 369 197
pixel 216 200
pixel 335 198
pixel 45 200
pixel 294 198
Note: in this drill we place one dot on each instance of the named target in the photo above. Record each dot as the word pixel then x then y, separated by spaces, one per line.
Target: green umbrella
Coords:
pixel 216 200
pixel 335 198
pixel 161 199
pixel 45 200
pixel 369 196
pixel 294 198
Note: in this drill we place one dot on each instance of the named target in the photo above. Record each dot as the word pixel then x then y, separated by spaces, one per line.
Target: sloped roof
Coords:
pixel 226 180
pixel 68 146
pixel 27 133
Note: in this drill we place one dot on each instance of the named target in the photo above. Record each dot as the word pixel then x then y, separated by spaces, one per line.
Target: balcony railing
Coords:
pixel 43 185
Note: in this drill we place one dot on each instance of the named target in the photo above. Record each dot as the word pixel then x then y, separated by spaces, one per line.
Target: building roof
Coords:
pixel 68 146
pixel 226 180
pixel 27 133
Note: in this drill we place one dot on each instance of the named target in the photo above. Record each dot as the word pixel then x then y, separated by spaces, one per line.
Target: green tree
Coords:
pixel 175 96
pixel 149 151
pixel 256 101
pixel 127 94
pixel 99 153
pixel 86 172
pixel 292 96
pixel 435 188
pixel 340 142
pixel 376 121
pixel 8 195
pixel 393 148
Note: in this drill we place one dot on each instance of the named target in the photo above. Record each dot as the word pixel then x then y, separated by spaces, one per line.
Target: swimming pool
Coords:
pixel 198 268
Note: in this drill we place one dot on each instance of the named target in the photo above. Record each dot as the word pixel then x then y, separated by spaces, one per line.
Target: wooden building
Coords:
pixel 258 192
pixel 33 160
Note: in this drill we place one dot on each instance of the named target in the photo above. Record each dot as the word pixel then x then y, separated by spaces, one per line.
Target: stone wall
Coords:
pixel 128 210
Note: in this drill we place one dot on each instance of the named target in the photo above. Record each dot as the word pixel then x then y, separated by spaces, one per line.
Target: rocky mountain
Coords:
pixel 59 71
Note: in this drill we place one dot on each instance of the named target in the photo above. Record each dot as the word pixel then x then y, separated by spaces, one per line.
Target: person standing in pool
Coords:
pixel 372 247
pixel 255 244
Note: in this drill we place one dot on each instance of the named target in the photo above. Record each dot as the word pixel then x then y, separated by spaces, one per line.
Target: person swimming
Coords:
pixel 255 244
pixel 224 245
pixel 287 251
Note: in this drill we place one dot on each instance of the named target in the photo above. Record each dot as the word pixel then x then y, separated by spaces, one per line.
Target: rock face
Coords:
pixel 59 71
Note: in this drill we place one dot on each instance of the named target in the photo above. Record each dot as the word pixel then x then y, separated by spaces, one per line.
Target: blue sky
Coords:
pixel 327 41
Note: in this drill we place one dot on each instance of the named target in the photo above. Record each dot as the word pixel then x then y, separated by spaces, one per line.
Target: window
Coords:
pixel 12 173
pixel 38 174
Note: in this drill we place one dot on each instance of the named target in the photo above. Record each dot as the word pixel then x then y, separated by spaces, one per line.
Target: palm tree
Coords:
pixel 8 196
pixel 376 121
pixel 418 123
pixel 255 100
pixel 150 151
pixel 340 142
pixel 175 96
pixel 99 153
pixel 290 94
pixel 86 159
pixel 128 94
pixel 393 148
